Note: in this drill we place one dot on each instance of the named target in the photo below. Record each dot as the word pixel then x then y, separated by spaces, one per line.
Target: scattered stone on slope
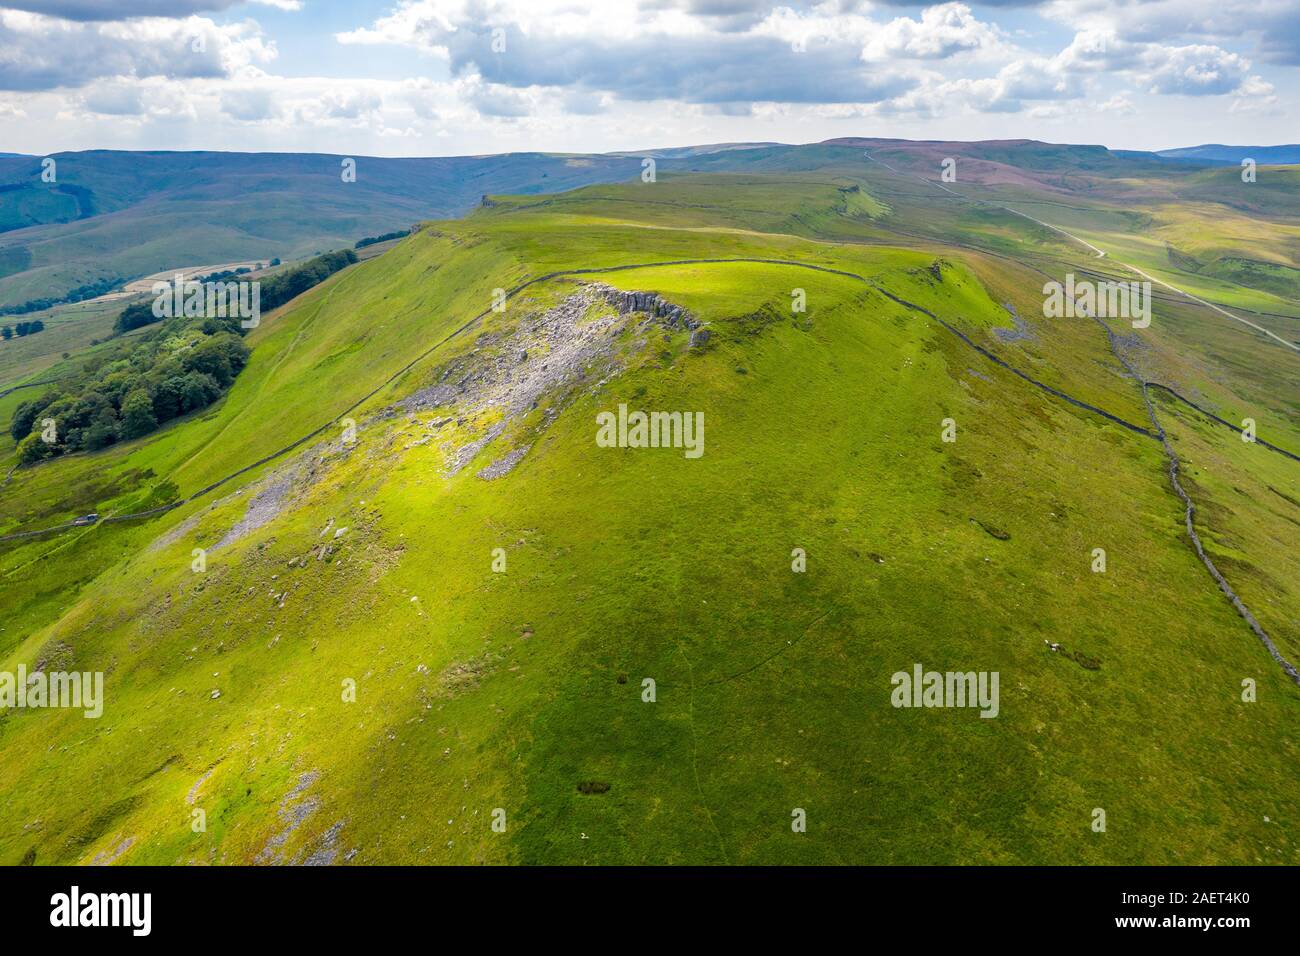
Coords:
pixel 294 809
pixel 281 489
pixel 181 530
pixel 193 793
pixel 549 354
pixel 326 850
pixel 503 465
pixel 262 508
pixel 106 858
pixel 1022 330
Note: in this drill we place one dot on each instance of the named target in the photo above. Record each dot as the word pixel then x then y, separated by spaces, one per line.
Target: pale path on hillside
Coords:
pixel 1189 513
pixel 1100 254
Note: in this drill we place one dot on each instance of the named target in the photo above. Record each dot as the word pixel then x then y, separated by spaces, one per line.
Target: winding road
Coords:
pixel 1189 513
pixel 1099 253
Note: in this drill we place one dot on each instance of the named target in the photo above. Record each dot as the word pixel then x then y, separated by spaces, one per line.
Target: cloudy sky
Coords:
pixel 444 77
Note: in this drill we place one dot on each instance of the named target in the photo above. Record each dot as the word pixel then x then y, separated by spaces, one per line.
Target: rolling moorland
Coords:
pixel 113 214
pixel 389 583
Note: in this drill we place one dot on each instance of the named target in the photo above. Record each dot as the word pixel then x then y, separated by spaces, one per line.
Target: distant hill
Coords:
pixel 686 152
pixel 115 215
pixel 128 214
pixel 1217 153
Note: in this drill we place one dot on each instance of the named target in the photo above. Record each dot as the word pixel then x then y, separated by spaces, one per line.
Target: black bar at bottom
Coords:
pixel 599 907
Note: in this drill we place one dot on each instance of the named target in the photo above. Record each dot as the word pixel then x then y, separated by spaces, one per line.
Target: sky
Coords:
pixel 458 77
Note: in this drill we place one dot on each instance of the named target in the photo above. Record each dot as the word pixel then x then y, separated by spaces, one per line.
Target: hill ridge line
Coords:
pixel 544 277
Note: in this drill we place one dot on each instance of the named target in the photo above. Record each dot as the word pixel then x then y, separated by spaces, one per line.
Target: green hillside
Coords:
pixel 129 214
pixel 437 438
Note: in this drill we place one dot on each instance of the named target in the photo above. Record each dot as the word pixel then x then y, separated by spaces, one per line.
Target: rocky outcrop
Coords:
pixel 548 354
pixel 651 303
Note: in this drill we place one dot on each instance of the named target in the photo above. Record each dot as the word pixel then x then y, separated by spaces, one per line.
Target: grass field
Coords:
pixel 69 329
pixel 373 565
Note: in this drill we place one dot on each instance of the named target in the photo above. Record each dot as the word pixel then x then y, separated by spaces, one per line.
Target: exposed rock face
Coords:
pixel 650 303
pixel 551 354
pixel 1022 328
pixel 264 506
pixel 503 466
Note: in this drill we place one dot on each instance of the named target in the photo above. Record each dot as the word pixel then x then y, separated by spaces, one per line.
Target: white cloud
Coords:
pixel 41 53
pixel 941 32
pixel 642 52
pixel 492 99
pixel 653 71
pixel 103 10
pixel 114 99
pixel 1273 26
pixel 249 105
pixel 1255 95
pixel 1193 70
pixel 1120 104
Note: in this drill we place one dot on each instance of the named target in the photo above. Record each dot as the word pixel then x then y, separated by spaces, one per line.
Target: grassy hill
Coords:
pixel 1233 155
pixel 373 564
pixel 130 214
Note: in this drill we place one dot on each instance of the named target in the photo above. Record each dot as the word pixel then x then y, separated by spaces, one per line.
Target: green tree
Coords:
pixel 102 431
pixel 199 391
pixel 220 356
pixel 25 416
pixel 169 398
pixel 135 316
pixel 33 448
pixel 137 414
